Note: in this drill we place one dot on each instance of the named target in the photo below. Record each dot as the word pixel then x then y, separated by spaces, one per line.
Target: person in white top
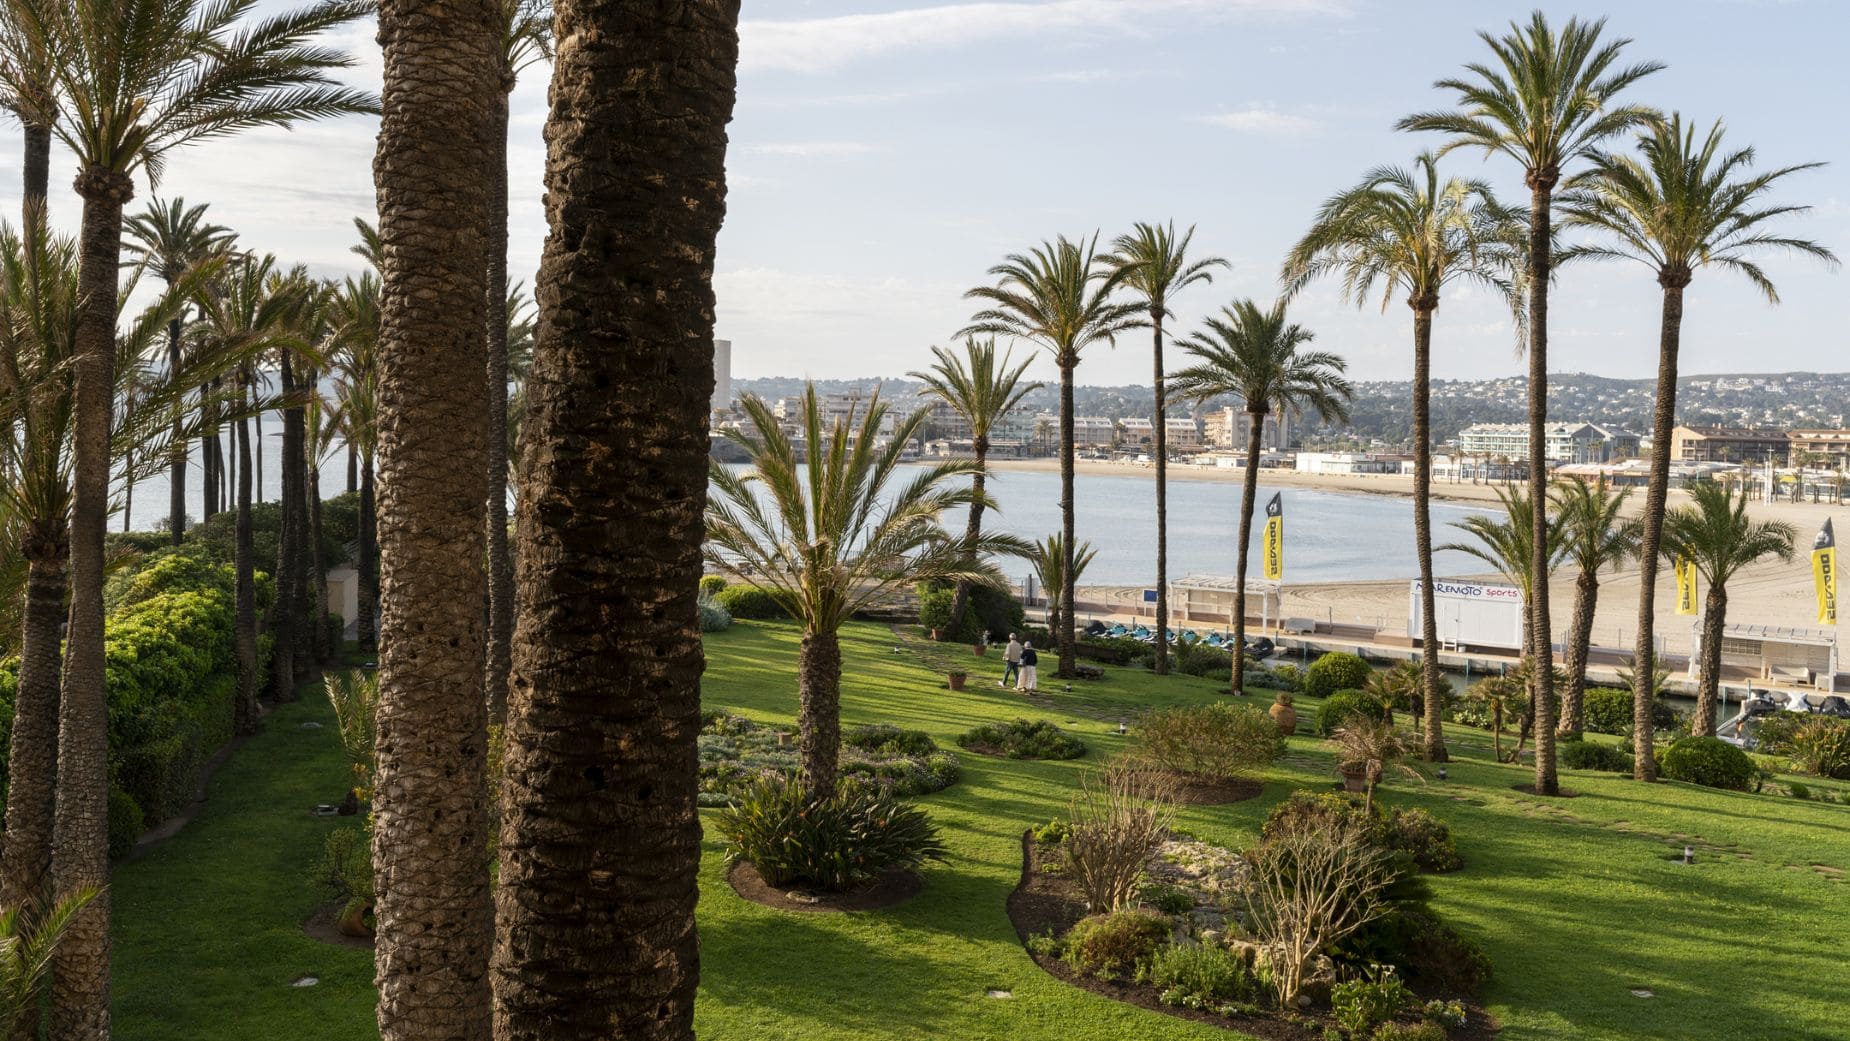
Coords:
pixel 1030 675
pixel 1011 662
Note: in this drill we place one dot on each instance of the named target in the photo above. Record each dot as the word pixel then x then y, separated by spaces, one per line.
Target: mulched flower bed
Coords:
pixel 1047 903
pixel 894 887
pixel 736 753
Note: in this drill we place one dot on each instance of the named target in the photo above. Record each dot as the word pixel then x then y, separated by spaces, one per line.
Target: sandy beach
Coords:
pixel 1770 593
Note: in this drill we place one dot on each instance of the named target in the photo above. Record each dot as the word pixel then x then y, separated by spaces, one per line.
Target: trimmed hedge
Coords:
pixel 1345 703
pixel 1333 672
pixel 1609 711
pixel 1710 762
pixel 743 601
pixel 1589 755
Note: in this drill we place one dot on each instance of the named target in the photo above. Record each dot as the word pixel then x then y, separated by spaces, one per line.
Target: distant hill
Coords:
pixel 1383 409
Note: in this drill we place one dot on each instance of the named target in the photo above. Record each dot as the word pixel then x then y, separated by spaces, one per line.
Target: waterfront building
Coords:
pixel 1827 449
pixel 1089 432
pixel 1569 442
pixel 1690 444
pixel 1181 433
pixel 1231 427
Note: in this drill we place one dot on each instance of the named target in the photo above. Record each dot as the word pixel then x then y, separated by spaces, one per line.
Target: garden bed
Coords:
pixel 1046 903
pixel 735 752
pixel 892 888
pixel 1192 790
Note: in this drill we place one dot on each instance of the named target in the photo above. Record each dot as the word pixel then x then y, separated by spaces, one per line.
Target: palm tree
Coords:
pixel 1156 268
pixel 1058 296
pixel 1050 561
pixel 356 340
pixel 607 632
pixel 829 531
pixel 1715 532
pixel 983 391
pixel 27 91
pixel 169 239
pixel 525 28
pixel 430 832
pixel 1547 102
pixel 1257 356
pixel 28 942
pixel 1678 206
pixel 1597 539
pixel 139 80
pixel 1507 544
pixel 1404 231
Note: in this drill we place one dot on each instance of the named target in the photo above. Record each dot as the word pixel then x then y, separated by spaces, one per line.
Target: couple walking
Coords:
pixel 1020 664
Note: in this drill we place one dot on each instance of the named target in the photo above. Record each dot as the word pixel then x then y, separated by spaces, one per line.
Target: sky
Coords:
pixel 886 153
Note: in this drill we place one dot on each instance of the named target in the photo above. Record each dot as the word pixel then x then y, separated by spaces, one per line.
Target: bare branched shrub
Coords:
pixel 1314 881
pixel 1208 741
pixel 1118 820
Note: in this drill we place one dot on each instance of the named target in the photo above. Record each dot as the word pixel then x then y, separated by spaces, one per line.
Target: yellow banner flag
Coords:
pixel 1275 537
pixel 1686 586
pixel 1824 572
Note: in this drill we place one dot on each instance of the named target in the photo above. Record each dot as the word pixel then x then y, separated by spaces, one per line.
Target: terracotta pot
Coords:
pixel 352 921
pixel 934 634
pixel 981 648
pixel 1355 780
pixel 956 680
pixel 1286 717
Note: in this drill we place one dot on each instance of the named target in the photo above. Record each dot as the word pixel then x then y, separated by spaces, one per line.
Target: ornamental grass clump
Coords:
pixel 1023 739
pixel 1118 820
pixel 1209 742
pixel 833 844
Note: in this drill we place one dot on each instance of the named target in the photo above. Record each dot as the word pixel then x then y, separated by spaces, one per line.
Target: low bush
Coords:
pixel 713 617
pixel 1312 883
pixel 1333 672
pixel 744 601
pixel 346 868
pixel 125 823
pixel 736 753
pixel 1112 650
pixel 833 844
pixel 1425 1030
pixel 1114 945
pixel 1345 703
pixel 1053 832
pixel 1118 820
pixel 1425 840
pixel 1591 755
pixel 1198 659
pixel 1199 976
pixel 1217 741
pixel 1609 710
pixel 1023 739
pixel 1359 1006
pixel 1288 676
pixel 1430 955
pixel 1710 762
pixel 710 585
pixel 1820 745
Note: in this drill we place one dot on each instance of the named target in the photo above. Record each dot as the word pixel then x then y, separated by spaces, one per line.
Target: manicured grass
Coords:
pixel 1576 900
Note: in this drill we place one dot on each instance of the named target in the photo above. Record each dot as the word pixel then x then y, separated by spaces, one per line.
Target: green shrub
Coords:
pixel 833 844
pixel 1820 745
pixel 1023 739
pixel 1425 1030
pixel 1113 945
pixel 1591 755
pixel 1333 672
pixel 1430 955
pixel 935 603
pixel 1358 1006
pixel 1710 762
pixel 1608 710
pixel 1425 840
pixel 736 753
pixel 888 740
pixel 1798 790
pixel 743 601
pixel 1053 832
pixel 710 585
pixel 1345 703
pixel 713 617
pixel 1170 900
pixel 1289 676
pixel 1199 976
pixel 1199 659
pixel 1773 733
pixel 346 867
pixel 125 823
pixel 1216 741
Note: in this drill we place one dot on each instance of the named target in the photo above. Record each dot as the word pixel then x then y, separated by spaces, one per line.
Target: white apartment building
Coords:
pixel 1579 442
pixel 1231 427
pixel 1089 432
pixel 1178 432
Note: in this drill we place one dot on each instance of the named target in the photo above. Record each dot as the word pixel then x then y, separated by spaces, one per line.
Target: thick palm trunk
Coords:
pixel 283 613
pixel 317 574
pixel 1249 491
pixel 366 623
pixel 1069 652
pixel 1580 643
pixel 211 461
pixel 1432 684
pixel 605 715
pixel 1650 541
pixel 973 526
pixel 819 710
pixel 244 713
pixel 37 173
pixel 295 479
pixel 1708 683
pixel 32 759
pixel 80 840
pixel 500 564
pixel 1159 440
pixel 1543 694
pixel 430 837
pixel 176 473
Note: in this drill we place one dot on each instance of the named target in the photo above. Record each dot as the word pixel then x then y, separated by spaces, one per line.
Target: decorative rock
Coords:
pixel 999 995
pixel 1643 992
pixel 305 981
pixel 798 896
pixel 311 725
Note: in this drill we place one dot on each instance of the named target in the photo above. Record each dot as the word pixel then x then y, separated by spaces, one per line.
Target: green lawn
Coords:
pixel 1576 900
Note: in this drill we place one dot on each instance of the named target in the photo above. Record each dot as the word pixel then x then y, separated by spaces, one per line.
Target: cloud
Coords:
pixel 1261 119
pixel 812 149
pixel 817 44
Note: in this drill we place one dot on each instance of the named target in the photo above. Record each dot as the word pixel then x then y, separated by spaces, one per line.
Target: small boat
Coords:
pixel 1214 640
pixel 1260 649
